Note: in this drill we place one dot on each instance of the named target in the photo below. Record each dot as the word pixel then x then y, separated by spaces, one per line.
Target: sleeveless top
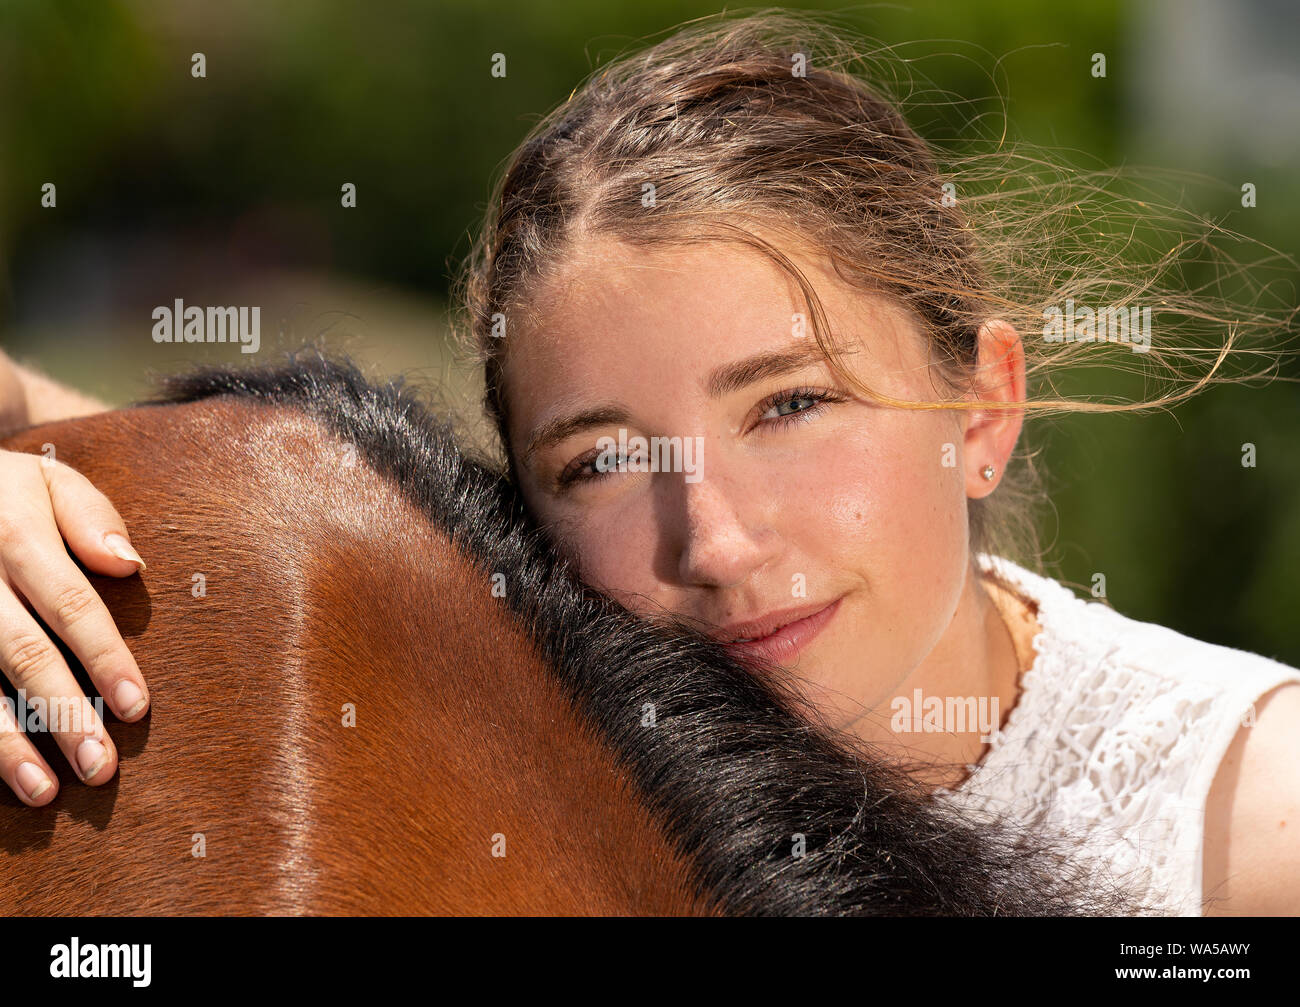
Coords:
pixel 1116 737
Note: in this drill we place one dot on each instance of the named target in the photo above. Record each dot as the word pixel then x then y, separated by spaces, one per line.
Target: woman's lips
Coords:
pixel 784 645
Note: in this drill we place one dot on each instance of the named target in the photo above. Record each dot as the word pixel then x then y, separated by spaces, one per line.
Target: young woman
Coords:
pixel 754 364
pixel 730 242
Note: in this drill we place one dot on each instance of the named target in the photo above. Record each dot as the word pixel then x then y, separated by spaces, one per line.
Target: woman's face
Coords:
pixel 806 502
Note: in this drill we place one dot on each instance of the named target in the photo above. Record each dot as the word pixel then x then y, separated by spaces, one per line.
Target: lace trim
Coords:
pixel 1112 755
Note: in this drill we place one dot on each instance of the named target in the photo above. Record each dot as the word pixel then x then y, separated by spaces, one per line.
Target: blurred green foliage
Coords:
pixel 397 98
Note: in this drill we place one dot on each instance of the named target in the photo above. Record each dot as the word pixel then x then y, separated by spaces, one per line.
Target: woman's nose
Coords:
pixel 724 541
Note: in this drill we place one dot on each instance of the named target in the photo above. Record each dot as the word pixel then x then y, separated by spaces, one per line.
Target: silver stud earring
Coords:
pixel 987 472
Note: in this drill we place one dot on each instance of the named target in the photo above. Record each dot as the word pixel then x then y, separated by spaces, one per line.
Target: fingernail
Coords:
pixel 33 780
pixel 129 699
pixel 91 756
pixel 121 548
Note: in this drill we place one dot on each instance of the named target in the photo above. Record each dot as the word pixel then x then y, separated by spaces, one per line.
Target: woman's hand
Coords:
pixel 42 503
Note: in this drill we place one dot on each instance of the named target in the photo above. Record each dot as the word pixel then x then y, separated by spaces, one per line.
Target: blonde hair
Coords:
pixel 736 140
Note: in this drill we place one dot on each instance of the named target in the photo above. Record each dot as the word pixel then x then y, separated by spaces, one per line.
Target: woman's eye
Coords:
pixel 785 407
pixel 590 468
pixel 796 405
pixel 580 470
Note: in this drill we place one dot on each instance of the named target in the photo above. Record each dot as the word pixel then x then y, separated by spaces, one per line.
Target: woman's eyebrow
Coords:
pixel 556 430
pixel 773 363
pixel 722 380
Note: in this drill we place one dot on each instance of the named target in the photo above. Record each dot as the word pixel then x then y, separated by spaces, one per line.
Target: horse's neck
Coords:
pixel 506 799
pixel 344 719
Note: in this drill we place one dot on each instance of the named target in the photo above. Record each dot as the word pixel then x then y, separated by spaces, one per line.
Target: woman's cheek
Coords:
pixel 860 497
pixel 610 549
pixel 893 516
pixel 928 547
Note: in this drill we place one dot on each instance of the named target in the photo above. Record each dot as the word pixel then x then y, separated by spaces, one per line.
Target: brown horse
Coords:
pixel 377 691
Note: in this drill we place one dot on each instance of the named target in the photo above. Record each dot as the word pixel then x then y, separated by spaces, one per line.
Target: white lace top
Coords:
pixel 1117 734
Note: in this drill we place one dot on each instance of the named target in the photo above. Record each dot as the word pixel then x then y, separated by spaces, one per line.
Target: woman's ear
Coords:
pixel 991 434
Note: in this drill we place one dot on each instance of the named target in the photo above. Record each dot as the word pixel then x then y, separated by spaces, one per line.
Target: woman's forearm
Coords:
pixel 28 397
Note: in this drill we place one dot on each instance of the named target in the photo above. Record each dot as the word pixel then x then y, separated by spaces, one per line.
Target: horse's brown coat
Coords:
pixel 323 588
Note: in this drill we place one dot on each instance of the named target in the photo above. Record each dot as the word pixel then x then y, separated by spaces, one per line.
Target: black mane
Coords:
pixel 731 770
